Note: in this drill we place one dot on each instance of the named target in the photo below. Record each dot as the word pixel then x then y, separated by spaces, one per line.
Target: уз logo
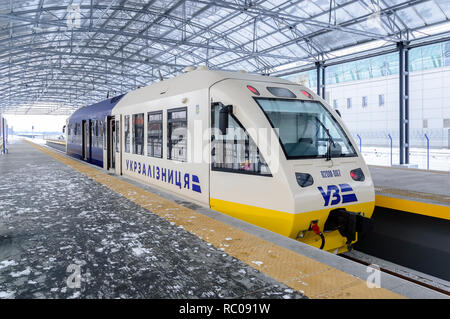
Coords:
pixel 335 195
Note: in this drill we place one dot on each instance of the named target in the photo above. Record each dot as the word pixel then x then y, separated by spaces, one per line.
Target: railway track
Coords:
pixel 421 279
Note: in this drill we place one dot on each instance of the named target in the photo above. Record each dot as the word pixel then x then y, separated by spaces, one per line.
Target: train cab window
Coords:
pixel 138 134
pixel 306 129
pixel 177 134
pixel 235 151
pixel 126 126
pixel 154 134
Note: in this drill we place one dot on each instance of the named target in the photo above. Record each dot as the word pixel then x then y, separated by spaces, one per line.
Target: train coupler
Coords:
pixel 348 224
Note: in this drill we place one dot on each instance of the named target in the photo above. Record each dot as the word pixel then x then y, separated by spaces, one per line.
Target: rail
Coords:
pixel 395 273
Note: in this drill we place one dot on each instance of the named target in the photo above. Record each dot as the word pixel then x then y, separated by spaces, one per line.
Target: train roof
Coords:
pixel 192 80
pixel 95 111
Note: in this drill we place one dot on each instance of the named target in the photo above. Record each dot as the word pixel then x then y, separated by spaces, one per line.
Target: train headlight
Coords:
pixel 357 175
pixel 306 93
pixel 304 179
pixel 253 90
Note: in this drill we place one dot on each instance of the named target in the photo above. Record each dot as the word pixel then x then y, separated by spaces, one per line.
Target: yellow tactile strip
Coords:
pixel 413 206
pixel 412 195
pixel 312 278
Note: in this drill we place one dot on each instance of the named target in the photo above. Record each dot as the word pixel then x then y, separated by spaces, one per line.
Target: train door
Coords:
pixel 85 137
pixel 90 140
pixel 87 131
pixel 118 144
pixel 111 142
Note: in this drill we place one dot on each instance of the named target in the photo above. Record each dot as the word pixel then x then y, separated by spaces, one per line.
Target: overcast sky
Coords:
pixel 41 123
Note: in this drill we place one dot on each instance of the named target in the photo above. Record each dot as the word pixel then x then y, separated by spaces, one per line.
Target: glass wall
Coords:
pixel 366 92
pixel 422 58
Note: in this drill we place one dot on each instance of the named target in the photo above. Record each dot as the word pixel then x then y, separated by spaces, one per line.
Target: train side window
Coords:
pixel 235 151
pixel 126 125
pixel 96 132
pixel 177 134
pixel 117 137
pixel 75 133
pixel 100 140
pixel 78 133
pixel 138 134
pixel 154 134
pixel 105 135
pixel 92 132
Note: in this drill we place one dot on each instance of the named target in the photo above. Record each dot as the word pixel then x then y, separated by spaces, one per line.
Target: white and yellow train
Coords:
pixel 261 149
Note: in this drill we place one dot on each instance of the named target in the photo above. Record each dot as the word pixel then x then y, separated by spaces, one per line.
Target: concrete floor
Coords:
pixel 54 221
pixel 415 181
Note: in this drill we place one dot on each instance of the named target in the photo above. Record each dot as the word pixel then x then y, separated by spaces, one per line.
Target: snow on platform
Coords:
pixel 54 220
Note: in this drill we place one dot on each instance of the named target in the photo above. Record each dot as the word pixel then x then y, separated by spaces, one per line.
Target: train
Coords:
pixel 258 148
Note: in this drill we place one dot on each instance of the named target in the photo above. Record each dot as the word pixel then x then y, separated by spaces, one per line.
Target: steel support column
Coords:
pixel 320 68
pixel 403 102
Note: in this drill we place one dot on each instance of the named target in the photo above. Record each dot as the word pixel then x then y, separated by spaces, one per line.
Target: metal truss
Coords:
pixel 59 55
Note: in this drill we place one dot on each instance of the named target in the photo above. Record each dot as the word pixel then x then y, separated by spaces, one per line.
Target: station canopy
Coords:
pixel 59 55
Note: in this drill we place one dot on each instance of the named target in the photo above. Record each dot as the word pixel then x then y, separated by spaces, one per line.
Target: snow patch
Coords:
pixel 25 272
pixel 7 263
pixel 6 294
pixel 138 251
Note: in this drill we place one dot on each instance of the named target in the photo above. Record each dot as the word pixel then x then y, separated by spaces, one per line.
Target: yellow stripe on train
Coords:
pixel 288 224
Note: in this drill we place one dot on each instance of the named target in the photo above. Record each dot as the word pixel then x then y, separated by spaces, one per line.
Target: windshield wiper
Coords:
pixel 330 139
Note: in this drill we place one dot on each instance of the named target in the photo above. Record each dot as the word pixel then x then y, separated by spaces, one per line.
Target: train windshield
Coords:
pixel 306 129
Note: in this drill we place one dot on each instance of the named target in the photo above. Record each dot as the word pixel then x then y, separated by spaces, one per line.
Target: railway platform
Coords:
pixel 71 230
pixel 411 190
pixel 57 144
pixel 411 219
